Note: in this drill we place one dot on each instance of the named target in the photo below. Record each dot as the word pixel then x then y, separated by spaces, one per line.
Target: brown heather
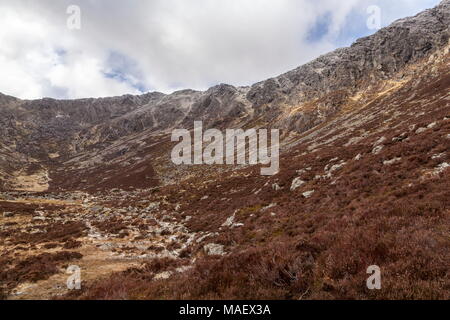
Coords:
pixel 394 216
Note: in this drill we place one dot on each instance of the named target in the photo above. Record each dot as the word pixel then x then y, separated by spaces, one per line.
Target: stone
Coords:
pixel 214 249
pixel 153 206
pixel 337 167
pixel 377 149
pixel 437 156
pixel 276 187
pixel 297 183
pixel 163 275
pixel 380 141
pixel 441 168
pixel 421 130
pixel 392 161
pixel 272 205
pixel 308 194
pixel 229 222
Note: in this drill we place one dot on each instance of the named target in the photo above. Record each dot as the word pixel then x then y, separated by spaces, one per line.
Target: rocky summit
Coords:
pixel 364 180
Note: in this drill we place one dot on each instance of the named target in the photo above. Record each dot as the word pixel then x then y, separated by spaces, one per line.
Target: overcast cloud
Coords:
pixel 136 46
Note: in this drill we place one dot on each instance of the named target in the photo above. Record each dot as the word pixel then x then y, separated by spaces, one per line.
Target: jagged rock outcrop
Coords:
pixel 49 130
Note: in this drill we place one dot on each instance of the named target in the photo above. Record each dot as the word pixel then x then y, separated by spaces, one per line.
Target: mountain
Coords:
pixel 363 181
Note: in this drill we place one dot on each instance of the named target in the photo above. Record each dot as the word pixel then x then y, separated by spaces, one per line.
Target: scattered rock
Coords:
pixel 208 235
pixel 432 125
pixel 276 187
pixel 272 205
pixel 336 167
pixel 379 141
pixel 163 275
pixel 214 249
pixel 308 194
pixel 230 222
pixel 438 156
pixel 377 149
pixel 400 138
pixel 297 183
pixel 421 130
pixel 153 206
pixel 392 161
pixel 302 171
pixel 183 269
pixel 441 168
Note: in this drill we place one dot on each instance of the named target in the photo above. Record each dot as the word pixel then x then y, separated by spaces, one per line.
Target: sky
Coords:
pixel 113 47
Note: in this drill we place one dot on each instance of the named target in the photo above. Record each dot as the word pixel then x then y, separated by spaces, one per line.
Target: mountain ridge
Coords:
pixel 55 131
pixel 439 13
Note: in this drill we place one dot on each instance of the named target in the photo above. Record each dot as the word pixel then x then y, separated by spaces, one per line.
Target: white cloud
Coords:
pixel 165 45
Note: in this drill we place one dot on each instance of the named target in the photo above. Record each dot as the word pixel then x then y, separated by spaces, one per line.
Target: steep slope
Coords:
pixel 48 133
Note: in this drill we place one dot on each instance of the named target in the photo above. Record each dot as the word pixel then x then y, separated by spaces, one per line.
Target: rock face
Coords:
pixel 41 135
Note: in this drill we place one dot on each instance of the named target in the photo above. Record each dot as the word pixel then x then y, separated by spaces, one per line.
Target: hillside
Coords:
pixel 363 180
